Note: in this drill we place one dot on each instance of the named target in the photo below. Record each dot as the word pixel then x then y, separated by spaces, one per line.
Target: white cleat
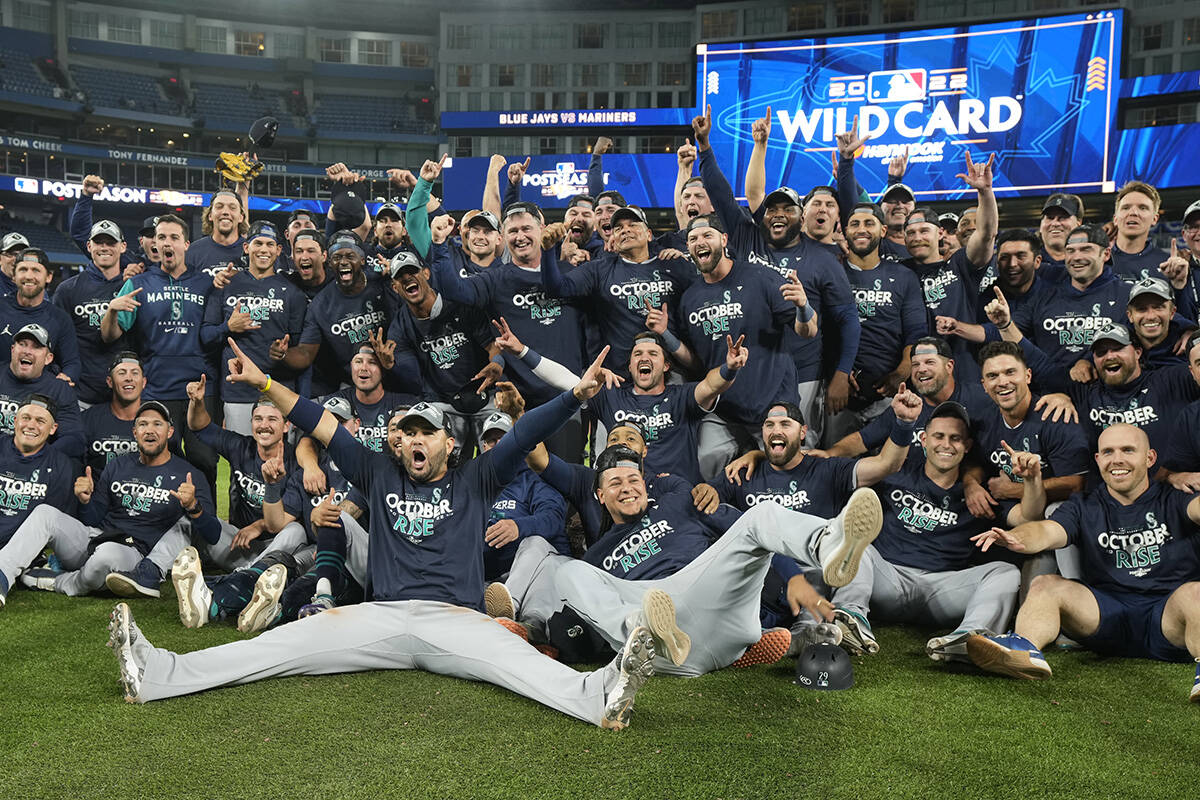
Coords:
pixel 634 661
pixel 263 608
pixel 121 634
pixel 847 537
pixel 195 598
pixel 952 646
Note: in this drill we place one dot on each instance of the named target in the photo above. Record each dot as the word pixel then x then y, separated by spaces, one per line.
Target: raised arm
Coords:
pixel 756 172
pixel 847 183
pixel 981 245
pixel 1027 467
pixel 685 158
pixel 311 418
pixel 721 378
pixel 907 407
pixel 596 166
pixel 491 186
pixel 197 414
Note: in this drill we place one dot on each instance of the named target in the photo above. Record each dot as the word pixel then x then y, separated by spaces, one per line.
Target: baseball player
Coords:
pixel 426 570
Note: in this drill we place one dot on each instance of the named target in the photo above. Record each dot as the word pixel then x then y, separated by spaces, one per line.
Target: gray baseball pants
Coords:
pixel 717 596
pixel 69 538
pixel 984 596
pixel 406 634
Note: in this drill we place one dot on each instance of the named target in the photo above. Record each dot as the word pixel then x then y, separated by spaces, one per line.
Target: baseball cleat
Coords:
pixel 857 637
pixel 1195 694
pixel 847 536
pixel 263 608
pixel 635 669
pixel 1010 654
pixel 3 591
pixel 952 646
pixel 41 578
pixel 121 633
pixel 141 581
pixel 770 647
pixel 805 633
pixel 320 602
pixel 195 598
pixel 658 614
pixel 498 601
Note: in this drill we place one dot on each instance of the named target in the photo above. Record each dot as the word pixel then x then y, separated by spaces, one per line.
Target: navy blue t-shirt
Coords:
pixel 108 437
pixel 427 538
pixel 669 419
pixel 1062 321
pixel 26 482
pixel 340 324
pixel 135 500
pixel 876 432
pixel 1132 267
pixel 68 439
pixel 537 510
pixel 746 302
pixel 951 289
pixel 85 298
pixel 246 484
pixel 891 311
pixel 204 254
pixel 167 324
pixel 1153 401
pixel 548 325
pixel 662 541
pixel 373 417
pixel 274 304
pixel 925 526
pixel 437 356
pixel 616 292
pixel 1061 447
pixel 299 502
pixel 1149 547
pixel 817 486
pixel 1182 453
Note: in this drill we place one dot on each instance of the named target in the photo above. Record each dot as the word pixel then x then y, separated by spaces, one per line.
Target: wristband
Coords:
pixel 267 387
pixel 1005 326
pixel 726 373
pixel 272 493
pixel 671 341
pixel 901 434
pixel 196 509
pixel 498 360
pixel 524 352
pixel 804 313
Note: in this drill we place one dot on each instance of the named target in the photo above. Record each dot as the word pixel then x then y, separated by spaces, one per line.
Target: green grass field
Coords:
pixel 1101 728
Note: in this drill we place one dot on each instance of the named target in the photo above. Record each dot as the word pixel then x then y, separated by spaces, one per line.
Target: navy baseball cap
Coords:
pixel 310 233
pixel 868 208
pixel 784 194
pixel 921 214
pixel 1094 235
pixel 523 207
pixel 311 216
pixel 1067 202
pixel 147 228
pixel 948 221
pixel 952 409
pixel 157 408
pixel 124 357
pixel 705 221
pixel 42 401
pixel 482 219
pixel 345 240
pixel 263 229
pixel 816 190
pixel 784 409
pixel 582 200
pixel 616 456
pixel 610 197
pixel 630 212
pixel 940 346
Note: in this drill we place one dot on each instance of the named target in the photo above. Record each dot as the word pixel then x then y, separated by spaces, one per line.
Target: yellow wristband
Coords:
pixel 266 388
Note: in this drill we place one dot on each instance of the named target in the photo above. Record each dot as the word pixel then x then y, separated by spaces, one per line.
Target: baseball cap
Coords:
pixel 948 221
pixel 404 261
pixel 263 130
pixel 35 332
pixel 629 212
pixel 869 208
pixel 263 229
pixel 939 345
pixel 431 415
pixel 921 214
pixel 616 456
pixel 816 190
pixel 309 233
pixel 898 187
pixel 482 218
pixel 784 409
pixel 1194 208
pixel 784 194
pixel 34 254
pixel 705 221
pixel 348 208
pixel 311 216
pixel 582 200
pixel 1152 286
pixel 1113 332
pixel 345 239
pixel 156 407
pixel 147 228
pixel 106 227
pixel 12 241
pixel 635 424
pixel 390 208
pixel 523 207
pixel 1066 202
pixel 42 401
pixel 953 409
pixel 124 357
pixel 340 407
pixel 1095 235
pixel 610 196
pixel 497 421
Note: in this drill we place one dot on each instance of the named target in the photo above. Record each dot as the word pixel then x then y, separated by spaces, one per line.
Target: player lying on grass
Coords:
pixel 1140 593
pixel 426 568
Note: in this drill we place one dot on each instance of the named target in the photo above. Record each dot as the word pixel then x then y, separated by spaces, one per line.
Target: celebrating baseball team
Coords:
pixel 829 410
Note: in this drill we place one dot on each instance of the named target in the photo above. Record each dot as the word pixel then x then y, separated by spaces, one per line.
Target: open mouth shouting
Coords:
pixel 410 287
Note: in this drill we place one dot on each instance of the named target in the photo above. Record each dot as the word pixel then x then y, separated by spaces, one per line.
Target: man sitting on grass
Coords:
pixel 426 568
pixel 1140 594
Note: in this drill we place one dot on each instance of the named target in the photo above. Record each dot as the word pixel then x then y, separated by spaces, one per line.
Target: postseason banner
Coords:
pixel 1038 93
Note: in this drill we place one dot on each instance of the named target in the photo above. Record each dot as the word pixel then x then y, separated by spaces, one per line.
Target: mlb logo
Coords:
pixel 897 85
pixel 26 185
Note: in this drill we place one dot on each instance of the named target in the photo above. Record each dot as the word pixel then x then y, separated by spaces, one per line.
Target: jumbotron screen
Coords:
pixel 1039 93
